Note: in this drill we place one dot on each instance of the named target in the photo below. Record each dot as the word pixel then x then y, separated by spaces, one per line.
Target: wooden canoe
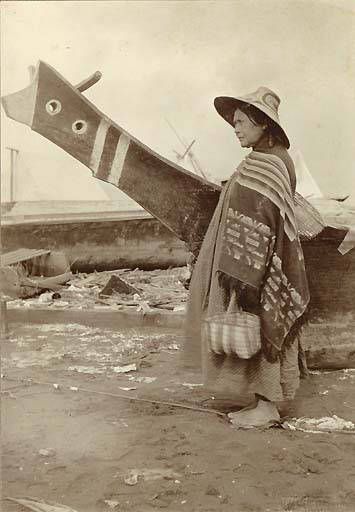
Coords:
pixel 179 199
pixel 57 110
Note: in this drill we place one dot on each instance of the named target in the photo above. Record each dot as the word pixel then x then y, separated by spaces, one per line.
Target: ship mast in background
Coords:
pixel 13 161
pixel 180 157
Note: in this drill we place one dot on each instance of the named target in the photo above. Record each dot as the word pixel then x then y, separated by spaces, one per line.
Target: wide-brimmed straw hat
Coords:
pixel 263 99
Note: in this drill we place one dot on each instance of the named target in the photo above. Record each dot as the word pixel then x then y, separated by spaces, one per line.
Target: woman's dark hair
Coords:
pixel 259 118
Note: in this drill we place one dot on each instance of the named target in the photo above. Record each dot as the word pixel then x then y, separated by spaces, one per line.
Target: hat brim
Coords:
pixel 227 105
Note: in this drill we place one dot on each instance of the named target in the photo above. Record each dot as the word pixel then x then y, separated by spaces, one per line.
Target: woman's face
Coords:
pixel 247 132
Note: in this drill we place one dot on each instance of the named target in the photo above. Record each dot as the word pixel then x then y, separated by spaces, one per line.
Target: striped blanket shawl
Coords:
pixel 253 238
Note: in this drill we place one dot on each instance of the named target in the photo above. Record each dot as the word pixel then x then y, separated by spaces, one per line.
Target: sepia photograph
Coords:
pixel 177 264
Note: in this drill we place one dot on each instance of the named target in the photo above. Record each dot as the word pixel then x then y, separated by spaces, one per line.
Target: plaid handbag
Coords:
pixel 233 333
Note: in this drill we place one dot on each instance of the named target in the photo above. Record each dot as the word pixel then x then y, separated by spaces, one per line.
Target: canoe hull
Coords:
pixel 125 240
pixel 179 199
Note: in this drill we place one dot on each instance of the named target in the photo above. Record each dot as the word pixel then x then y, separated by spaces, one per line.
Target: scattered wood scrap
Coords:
pixel 40 284
pixel 117 285
pixel 129 290
pixel 40 505
pixel 25 273
pixel 21 255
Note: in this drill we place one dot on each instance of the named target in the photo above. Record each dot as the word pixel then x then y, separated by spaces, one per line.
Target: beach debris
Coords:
pixel 326 372
pixel 85 369
pixel 34 284
pixel 157 290
pixel 52 283
pixel 10 283
pixel 7 393
pixel 143 306
pixel 45 297
pixel 39 505
pixel 191 385
pixel 40 262
pixel 320 425
pixel 22 272
pixel 130 398
pixel 349 373
pixel 212 491
pixel 111 503
pixel 125 369
pixel 117 285
pixel 192 472
pixel 47 452
pixel 134 475
pixel 173 346
pixel 22 256
pixel 131 479
pixel 16 283
pixel 55 263
pixel 61 304
pixel 143 380
pixel 127 388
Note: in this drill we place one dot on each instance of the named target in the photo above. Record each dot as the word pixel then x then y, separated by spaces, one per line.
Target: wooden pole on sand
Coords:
pixel 4 328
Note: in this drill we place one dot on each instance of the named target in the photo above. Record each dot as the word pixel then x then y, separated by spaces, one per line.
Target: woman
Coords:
pixel 251 261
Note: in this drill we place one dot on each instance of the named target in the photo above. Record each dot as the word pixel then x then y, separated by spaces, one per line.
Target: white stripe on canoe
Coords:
pixel 99 145
pixel 119 159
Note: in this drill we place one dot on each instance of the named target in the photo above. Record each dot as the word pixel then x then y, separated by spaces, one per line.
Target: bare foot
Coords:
pixel 263 415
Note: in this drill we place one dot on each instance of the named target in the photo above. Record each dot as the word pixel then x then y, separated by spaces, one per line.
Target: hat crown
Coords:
pixel 265 97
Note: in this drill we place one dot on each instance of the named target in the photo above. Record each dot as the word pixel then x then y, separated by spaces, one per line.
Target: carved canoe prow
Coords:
pixel 53 107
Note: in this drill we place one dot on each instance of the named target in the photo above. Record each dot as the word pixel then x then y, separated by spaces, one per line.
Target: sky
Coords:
pixel 167 60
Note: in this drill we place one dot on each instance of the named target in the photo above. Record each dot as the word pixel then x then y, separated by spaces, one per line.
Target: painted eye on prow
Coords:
pixel 79 127
pixel 53 107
